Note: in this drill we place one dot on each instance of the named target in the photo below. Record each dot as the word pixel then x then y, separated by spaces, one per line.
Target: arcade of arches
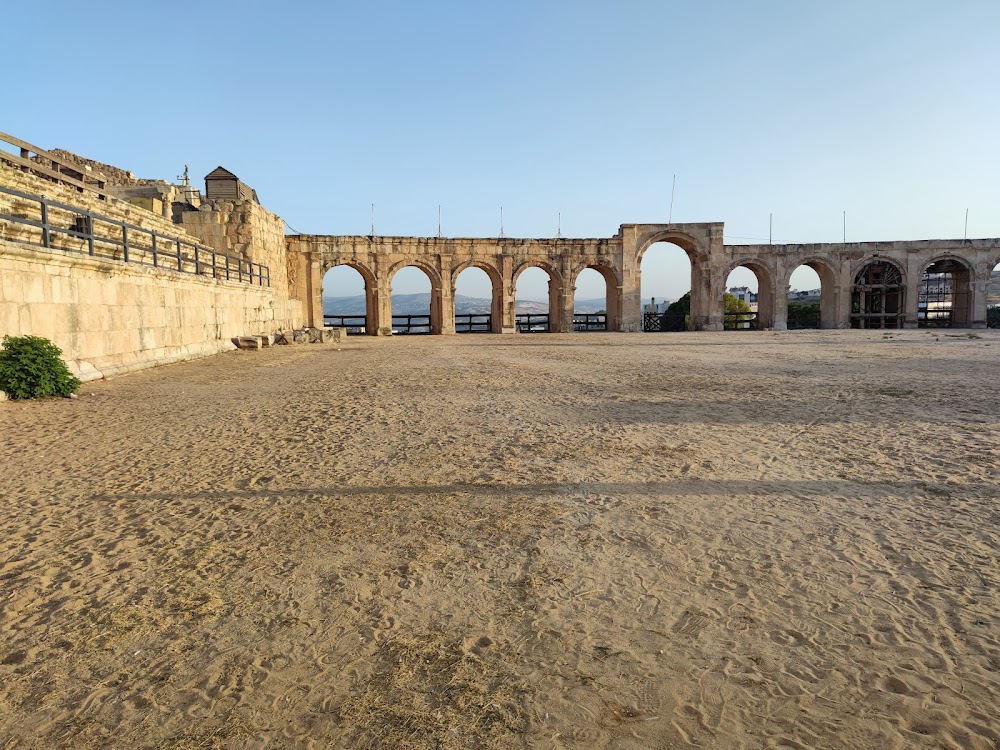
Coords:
pixel 864 284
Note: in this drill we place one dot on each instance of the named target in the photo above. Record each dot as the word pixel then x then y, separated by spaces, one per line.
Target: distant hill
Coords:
pixel 419 304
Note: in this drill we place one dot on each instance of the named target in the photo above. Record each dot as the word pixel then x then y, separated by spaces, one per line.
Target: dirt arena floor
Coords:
pixel 629 541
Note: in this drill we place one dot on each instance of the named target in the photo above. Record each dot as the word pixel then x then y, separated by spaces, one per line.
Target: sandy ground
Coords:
pixel 735 540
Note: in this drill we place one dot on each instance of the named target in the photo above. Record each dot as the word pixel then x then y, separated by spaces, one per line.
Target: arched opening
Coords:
pixel 993 298
pixel 537 300
pixel 349 301
pixel 593 301
pixel 477 301
pixel 667 285
pixel 748 302
pixel 878 296
pixel 413 302
pixel 812 299
pixel 945 296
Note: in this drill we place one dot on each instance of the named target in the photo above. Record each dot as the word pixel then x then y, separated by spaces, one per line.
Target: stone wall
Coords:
pixel 244 229
pixel 26 182
pixel 110 317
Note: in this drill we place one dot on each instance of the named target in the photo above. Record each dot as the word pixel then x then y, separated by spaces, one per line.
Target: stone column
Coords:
pixel 384 306
pixel 503 302
pixel 445 297
pixel 630 295
pixel 779 315
pixel 911 297
pixel 314 302
pixel 978 291
pixel 844 282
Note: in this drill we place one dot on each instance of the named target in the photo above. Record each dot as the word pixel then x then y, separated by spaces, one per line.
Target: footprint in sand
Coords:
pixel 691 623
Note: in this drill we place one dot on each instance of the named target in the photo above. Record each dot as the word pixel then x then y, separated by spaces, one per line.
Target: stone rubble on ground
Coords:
pixel 298 336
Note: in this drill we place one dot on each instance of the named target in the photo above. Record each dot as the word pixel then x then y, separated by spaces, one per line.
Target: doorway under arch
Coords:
pixel 878 296
pixel 748 302
pixel 534 283
pixel 944 299
pixel 348 299
pixel 812 296
pixel 594 300
pixel 477 301
pixel 416 309
pixel 667 285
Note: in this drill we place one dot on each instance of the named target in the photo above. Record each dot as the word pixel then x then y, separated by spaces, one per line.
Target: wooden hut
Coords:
pixel 223 185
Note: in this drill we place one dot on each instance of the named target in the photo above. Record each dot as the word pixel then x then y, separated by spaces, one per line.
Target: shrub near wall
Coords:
pixel 32 367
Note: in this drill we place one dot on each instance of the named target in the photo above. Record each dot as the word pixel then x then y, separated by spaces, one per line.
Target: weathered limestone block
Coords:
pixel 266 340
pixel 300 336
pixel 285 338
pixel 251 343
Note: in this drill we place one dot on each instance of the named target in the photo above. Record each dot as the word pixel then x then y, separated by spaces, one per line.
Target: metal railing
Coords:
pixel 355 324
pixel 532 322
pixel 423 324
pixel 52 167
pixel 590 322
pixel 739 321
pixel 473 323
pixel 129 243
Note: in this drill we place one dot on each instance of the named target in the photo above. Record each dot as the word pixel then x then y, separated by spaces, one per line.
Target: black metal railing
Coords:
pixel 103 237
pixel 422 324
pixel 653 322
pixel 355 324
pixel 740 321
pixel 532 322
pixel 590 322
pixel 473 323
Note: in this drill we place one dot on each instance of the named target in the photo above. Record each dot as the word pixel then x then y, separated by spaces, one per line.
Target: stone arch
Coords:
pixel 612 287
pixel 945 297
pixel 687 242
pixel 496 282
pixel 371 290
pixel 555 289
pixel 433 275
pixel 765 288
pixel 828 288
pixel 878 293
pixel 698 256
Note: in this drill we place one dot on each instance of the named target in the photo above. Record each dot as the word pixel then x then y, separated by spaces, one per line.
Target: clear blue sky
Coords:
pixel 887 109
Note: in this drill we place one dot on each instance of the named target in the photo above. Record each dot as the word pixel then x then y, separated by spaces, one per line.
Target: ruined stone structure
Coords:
pixel 112 313
pixel 65 273
pixel 866 284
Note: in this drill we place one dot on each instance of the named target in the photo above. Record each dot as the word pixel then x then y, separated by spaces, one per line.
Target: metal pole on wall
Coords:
pixel 770 228
pixel 439 219
pixel 373 219
pixel 966 235
pixel 845 227
pixel 673 187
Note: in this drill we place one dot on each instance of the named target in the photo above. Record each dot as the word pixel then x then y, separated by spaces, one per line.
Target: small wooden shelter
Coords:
pixel 221 184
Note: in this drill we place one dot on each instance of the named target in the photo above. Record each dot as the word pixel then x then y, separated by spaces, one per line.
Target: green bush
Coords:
pixel 30 367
